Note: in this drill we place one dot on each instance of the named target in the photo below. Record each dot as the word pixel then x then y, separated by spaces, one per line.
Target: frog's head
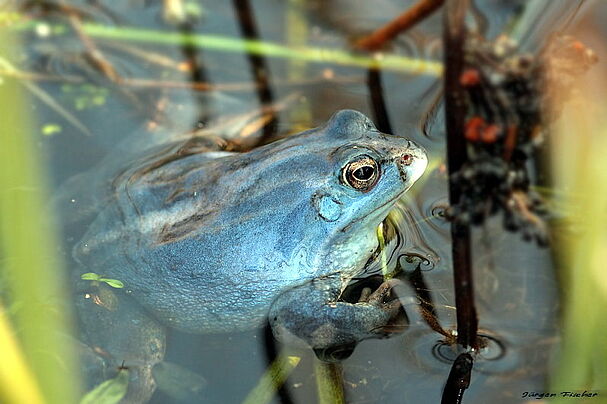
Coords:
pixel 369 171
pixel 365 173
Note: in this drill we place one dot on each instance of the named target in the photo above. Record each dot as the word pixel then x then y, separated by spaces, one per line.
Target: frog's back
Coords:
pixel 176 232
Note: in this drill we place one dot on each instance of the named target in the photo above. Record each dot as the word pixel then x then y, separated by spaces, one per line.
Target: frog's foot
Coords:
pixel 314 313
pixel 391 319
pixel 385 300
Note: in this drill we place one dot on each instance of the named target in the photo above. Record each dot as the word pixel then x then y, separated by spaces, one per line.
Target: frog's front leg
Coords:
pixel 314 313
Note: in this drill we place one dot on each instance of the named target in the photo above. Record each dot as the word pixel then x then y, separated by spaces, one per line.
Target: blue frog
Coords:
pixel 212 241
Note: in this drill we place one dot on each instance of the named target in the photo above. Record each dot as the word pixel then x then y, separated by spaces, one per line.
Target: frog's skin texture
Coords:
pixel 211 242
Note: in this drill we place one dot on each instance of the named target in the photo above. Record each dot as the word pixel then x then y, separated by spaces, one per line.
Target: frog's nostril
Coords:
pixel 406 159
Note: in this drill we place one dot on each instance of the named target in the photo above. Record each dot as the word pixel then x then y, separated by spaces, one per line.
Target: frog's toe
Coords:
pixel 385 299
pixel 382 294
pixel 365 294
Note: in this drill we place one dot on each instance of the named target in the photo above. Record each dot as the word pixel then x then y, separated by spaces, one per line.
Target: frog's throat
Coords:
pixel 377 216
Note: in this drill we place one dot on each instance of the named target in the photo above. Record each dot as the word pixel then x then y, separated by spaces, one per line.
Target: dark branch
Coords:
pixel 455 110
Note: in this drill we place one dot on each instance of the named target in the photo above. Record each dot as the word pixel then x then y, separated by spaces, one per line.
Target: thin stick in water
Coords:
pixel 455 110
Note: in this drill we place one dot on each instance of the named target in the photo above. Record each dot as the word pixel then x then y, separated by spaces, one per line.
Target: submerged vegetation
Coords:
pixel 511 118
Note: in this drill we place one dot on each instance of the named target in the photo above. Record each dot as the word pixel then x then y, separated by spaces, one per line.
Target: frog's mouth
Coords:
pixel 412 164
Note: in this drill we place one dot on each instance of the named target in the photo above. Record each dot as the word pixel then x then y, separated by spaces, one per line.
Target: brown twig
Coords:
pixel 178 85
pixel 146 55
pixel 95 55
pixel 455 113
pixel 418 12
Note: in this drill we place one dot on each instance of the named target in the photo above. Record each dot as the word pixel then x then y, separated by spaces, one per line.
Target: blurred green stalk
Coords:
pixel 581 145
pixel 31 269
pixel 266 48
pixel 237 45
pixel 329 383
pixel 274 377
pixel 17 384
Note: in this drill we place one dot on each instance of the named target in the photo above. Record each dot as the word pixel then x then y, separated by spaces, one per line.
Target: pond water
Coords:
pixel 516 290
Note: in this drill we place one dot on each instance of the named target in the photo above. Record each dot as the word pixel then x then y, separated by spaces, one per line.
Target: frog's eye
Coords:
pixel 361 174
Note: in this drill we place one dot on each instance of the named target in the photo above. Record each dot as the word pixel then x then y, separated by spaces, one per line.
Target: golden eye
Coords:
pixel 361 174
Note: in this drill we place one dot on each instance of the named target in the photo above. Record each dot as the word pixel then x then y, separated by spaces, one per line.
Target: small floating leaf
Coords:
pixel 115 283
pixel 90 276
pixel 110 391
pixel 98 100
pixel 51 129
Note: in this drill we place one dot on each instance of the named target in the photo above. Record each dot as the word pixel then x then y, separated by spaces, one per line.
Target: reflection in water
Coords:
pixel 196 66
pixel 378 102
pixel 258 64
pixel 490 349
pixel 415 244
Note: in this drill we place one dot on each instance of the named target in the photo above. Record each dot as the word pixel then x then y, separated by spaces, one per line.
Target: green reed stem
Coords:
pixel 582 360
pixel 329 383
pixel 272 379
pixel 237 45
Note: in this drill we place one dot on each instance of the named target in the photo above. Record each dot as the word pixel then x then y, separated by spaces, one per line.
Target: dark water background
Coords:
pixel 516 289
